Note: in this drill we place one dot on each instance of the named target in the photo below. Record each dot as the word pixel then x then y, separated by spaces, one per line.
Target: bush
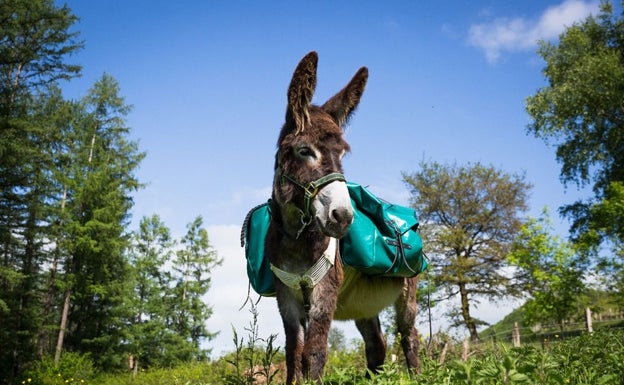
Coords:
pixel 72 369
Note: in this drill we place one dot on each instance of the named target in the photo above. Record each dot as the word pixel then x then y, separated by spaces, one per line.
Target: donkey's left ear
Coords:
pixel 342 105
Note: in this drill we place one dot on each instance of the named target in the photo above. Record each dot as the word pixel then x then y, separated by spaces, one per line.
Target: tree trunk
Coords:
pixel 61 335
pixel 50 293
pixel 465 311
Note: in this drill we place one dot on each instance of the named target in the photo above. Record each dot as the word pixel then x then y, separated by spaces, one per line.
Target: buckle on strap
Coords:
pixel 312 189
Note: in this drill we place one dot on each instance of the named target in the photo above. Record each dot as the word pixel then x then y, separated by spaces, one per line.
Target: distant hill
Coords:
pixel 607 313
pixel 502 329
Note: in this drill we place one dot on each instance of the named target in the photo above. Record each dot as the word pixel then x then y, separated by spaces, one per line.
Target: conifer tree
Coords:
pixel 34 45
pixel 152 248
pixel 100 181
pixel 192 265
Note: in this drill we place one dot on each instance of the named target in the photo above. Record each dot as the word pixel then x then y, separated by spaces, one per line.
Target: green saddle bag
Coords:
pixel 255 228
pixel 382 240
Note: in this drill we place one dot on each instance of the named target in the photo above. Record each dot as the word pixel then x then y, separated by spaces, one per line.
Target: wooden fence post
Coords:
pixel 588 320
pixel 443 354
pixel 465 349
pixel 515 335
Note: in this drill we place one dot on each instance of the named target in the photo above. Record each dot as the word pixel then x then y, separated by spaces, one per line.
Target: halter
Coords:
pixel 311 190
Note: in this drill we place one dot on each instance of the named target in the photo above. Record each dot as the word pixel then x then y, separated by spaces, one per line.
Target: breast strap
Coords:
pixel 314 274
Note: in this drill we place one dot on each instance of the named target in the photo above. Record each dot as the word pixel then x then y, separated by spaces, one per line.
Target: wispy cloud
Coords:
pixel 504 34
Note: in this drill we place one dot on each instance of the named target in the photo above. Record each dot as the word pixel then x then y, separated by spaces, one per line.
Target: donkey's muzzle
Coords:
pixel 333 210
pixel 339 221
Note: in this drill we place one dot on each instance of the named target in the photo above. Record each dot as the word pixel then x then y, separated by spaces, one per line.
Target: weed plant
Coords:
pixel 596 359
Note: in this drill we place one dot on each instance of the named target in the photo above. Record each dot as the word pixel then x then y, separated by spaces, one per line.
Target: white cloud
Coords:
pixel 521 34
pixel 229 291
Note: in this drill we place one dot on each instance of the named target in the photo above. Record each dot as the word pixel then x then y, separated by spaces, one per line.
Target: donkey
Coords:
pixel 311 210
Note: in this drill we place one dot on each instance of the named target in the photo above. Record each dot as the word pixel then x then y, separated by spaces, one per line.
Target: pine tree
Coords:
pixel 192 266
pixel 100 181
pixel 34 45
pixel 152 248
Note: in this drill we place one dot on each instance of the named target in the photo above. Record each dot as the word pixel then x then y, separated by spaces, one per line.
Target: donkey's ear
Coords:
pixel 300 92
pixel 342 105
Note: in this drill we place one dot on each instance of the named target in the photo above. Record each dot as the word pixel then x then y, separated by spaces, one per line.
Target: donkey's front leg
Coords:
pixel 293 318
pixel 294 350
pixel 315 347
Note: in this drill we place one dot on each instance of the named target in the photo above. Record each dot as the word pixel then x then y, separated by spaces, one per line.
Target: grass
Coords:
pixel 596 358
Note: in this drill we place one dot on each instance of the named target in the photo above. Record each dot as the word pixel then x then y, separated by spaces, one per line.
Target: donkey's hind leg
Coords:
pixel 406 310
pixel 374 341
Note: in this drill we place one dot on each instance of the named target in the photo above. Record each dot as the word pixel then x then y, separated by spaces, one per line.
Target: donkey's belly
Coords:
pixel 363 296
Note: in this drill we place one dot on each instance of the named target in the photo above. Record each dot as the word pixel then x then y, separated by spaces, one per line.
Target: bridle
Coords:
pixel 311 190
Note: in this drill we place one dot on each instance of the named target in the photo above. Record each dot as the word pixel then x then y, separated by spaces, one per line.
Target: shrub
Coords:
pixel 72 369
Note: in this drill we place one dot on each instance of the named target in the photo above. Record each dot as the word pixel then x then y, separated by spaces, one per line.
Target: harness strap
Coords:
pixel 311 190
pixel 314 274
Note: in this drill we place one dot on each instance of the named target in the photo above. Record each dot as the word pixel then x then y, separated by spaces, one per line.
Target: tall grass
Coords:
pixel 596 358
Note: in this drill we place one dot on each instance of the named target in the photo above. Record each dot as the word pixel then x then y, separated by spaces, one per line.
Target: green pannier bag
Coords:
pixel 382 240
pixel 255 228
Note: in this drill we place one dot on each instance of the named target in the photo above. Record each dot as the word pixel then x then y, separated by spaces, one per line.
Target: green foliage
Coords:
pixel 550 271
pixel 192 267
pixel 469 217
pixel 98 180
pixel 151 248
pixel 580 111
pixel 596 358
pixel 252 360
pixel 73 369
pixel 35 43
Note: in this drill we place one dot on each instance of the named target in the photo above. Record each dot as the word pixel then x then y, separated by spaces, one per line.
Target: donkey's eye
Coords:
pixel 306 152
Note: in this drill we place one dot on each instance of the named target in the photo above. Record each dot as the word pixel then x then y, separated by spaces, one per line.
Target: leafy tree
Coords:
pixel 192 265
pixel 336 340
pixel 580 112
pixel 551 272
pixel 469 218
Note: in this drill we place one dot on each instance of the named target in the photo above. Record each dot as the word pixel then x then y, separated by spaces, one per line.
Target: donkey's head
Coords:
pixel 309 186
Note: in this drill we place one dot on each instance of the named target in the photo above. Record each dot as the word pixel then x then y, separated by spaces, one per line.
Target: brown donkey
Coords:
pixel 311 210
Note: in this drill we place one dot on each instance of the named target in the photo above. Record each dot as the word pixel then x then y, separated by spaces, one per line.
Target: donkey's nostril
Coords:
pixel 341 215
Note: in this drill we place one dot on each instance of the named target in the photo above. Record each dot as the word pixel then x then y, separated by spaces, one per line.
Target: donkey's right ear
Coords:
pixel 300 92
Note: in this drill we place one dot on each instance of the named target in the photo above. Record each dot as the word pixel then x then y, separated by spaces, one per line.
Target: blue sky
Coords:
pixel 208 79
